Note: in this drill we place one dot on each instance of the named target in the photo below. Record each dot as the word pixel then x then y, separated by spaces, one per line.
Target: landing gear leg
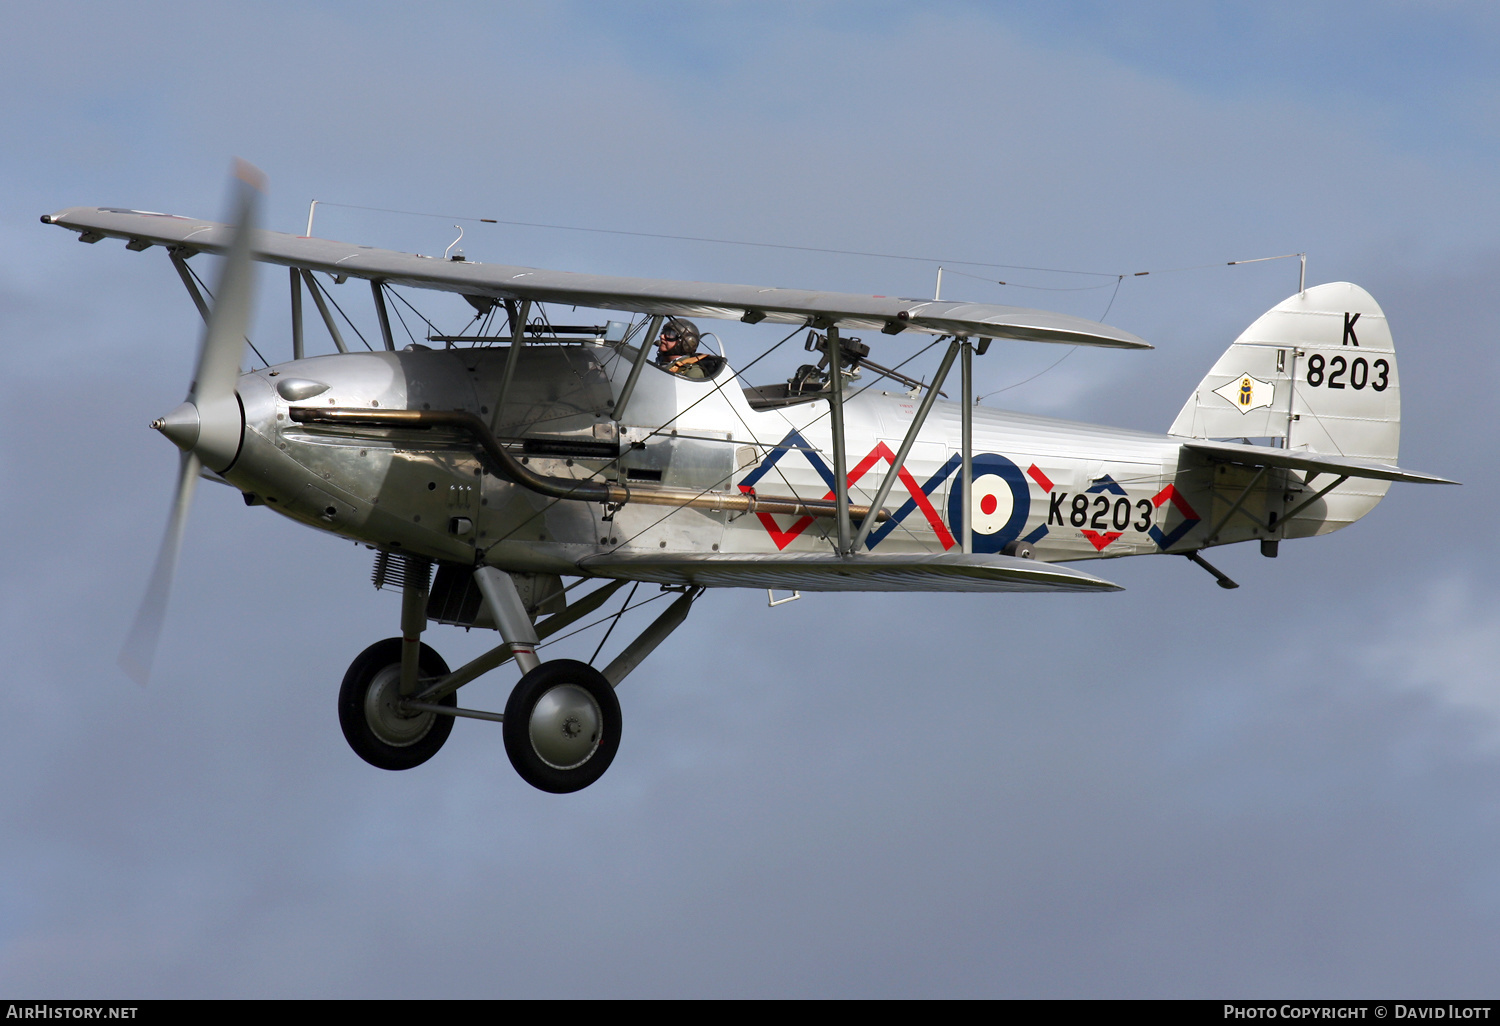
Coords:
pixel 562 723
pixel 413 622
pixel 509 613
pixel 372 711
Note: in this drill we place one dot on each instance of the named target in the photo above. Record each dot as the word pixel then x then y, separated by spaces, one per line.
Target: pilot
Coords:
pixel 677 349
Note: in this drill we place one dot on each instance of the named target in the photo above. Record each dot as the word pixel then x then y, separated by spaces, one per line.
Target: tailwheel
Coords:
pixel 562 726
pixel 369 709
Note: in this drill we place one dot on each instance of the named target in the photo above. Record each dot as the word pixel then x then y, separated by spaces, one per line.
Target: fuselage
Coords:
pixel 1068 490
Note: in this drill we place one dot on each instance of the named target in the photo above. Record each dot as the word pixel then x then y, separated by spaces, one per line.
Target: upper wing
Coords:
pixel 825 571
pixel 1318 463
pixel 638 295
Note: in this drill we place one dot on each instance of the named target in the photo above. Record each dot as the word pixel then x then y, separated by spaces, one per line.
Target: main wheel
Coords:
pixel 562 726
pixel 374 726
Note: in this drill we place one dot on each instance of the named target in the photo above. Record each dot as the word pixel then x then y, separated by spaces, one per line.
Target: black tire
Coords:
pixel 567 761
pixel 396 742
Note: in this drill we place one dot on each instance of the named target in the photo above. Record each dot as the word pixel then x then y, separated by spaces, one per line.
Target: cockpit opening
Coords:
pixel 811 379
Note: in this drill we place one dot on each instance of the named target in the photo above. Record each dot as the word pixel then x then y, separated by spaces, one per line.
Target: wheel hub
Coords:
pixel 565 727
pixel 383 711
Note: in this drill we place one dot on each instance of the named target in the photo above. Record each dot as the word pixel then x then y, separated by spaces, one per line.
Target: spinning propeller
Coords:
pixel 207 427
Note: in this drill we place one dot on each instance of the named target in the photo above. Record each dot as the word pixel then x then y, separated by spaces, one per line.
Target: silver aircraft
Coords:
pixel 484 470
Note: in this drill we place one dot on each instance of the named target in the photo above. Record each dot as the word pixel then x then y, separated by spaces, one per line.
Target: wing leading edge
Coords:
pixel 818 571
pixel 638 295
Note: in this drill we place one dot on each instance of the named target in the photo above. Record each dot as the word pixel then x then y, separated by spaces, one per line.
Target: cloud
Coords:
pixel 1443 642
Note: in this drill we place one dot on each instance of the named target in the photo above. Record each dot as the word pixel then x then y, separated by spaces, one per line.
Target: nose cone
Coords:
pixel 182 426
pixel 209 428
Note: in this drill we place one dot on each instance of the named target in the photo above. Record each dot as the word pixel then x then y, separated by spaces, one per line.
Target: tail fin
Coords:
pixel 1317 370
pixel 1318 373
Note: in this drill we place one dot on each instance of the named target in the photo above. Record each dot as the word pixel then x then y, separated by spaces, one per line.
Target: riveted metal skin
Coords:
pixel 389 452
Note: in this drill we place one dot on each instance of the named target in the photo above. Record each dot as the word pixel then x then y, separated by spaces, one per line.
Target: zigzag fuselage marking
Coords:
pixel 1093 492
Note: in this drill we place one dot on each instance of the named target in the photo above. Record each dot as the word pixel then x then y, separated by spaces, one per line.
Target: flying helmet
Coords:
pixel 683 334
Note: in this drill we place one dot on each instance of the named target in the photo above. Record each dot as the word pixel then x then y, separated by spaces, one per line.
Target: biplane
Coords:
pixel 518 478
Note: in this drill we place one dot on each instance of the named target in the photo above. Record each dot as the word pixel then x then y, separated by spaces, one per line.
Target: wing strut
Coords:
pixel 966 507
pixel 884 491
pixel 644 644
pixel 322 304
pixel 297 345
pixel 187 281
pixel 517 342
pixel 836 421
pixel 1322 492
pixel 377 289
pixel 635 369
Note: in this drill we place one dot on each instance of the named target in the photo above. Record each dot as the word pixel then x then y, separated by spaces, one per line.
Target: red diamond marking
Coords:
pixel 1101 541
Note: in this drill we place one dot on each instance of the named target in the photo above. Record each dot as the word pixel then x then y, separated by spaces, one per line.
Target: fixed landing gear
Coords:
pixel 370 712
pixel 562 722
pixel 562 726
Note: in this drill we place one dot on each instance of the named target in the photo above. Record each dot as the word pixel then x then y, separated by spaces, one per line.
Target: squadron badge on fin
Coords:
pixel 1248 393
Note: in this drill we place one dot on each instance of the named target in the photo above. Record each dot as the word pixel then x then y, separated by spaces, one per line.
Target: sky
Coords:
pixel 1287 790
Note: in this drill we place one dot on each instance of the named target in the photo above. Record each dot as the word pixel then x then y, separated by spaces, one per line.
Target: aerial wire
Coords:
pixel 720 242
pixel 817 249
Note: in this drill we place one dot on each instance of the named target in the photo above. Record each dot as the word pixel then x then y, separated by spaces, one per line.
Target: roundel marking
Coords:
pixel 993 504
pixel 1001 503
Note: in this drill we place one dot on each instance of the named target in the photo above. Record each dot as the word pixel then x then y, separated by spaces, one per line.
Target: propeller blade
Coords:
pixel 223 347
pixel 139 650
pixel 208 426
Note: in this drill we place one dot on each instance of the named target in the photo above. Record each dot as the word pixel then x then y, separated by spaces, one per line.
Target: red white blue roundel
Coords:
pixel 1002 502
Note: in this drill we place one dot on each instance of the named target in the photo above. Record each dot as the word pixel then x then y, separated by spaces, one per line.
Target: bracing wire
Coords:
pixel 352 327
pixel 425 319
pixel 210 295
pixel 616 622
pixel 397 311
pixel 815 420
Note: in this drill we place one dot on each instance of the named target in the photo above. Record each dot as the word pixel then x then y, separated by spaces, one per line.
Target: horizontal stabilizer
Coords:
pixel 824 571
pixel 1316 462
pixel 751 303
